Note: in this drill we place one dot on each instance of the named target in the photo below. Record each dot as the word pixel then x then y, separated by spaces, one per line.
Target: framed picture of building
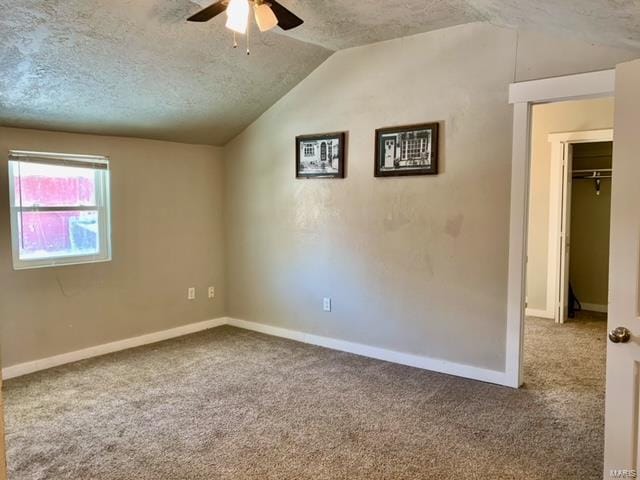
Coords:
pixel 407 150
pixel 320 156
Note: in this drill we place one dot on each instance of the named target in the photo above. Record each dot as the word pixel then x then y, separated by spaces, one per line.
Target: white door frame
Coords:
pixel 523 95
pixel 559 146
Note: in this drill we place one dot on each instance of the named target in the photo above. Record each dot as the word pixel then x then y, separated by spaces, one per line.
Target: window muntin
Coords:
pixel 309 150
pixel 59 209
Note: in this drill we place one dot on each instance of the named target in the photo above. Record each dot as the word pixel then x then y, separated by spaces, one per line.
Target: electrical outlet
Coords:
pixel 212 292
pixel 326 304
pixel 191 293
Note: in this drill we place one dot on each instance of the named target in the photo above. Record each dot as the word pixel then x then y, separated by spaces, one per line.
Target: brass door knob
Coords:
pixel 620 335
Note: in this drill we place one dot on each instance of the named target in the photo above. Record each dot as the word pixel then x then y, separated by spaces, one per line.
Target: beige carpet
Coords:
pixel 232 404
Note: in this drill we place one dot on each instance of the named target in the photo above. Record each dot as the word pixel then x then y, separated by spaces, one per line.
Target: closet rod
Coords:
pixel 591 177
pixel 593 170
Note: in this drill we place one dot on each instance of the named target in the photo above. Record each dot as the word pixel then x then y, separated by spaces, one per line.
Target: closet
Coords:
pixel 590 220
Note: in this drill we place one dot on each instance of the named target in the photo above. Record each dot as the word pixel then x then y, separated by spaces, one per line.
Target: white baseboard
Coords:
pixel 594 307
pixel 427 363
pixel 534 312
pixel 57 360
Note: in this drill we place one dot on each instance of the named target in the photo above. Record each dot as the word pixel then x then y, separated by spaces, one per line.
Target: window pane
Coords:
pixel 57 234
pixel 53 185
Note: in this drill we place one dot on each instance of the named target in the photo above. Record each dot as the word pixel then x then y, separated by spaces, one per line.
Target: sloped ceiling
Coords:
pixel 137 68
pixel 607 22
pixel 338 24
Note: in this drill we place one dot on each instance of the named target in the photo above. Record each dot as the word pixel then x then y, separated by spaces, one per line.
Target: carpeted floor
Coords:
pixel 233 404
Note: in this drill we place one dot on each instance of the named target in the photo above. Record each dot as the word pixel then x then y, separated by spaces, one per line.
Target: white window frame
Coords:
pixel 103 206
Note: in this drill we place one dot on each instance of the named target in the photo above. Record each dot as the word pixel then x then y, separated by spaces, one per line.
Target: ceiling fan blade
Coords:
pixel 208 13
pixel 286 19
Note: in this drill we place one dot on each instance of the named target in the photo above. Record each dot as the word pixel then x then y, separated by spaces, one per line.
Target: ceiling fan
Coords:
pixel 268 14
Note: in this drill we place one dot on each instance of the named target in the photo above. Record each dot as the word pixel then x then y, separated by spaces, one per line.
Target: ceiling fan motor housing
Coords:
pixel 286 19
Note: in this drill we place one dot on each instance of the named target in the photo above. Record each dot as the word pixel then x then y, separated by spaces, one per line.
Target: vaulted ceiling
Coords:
pixel 137 68
pixel 337 24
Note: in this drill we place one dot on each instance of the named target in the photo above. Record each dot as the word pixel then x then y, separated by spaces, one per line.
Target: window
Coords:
pixel 59 209
pixel 415 148
pixel 309 150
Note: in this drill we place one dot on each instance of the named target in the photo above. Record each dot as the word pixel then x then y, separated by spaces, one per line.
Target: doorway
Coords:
pixel 524 96
pixel 579 216
pixel 568 226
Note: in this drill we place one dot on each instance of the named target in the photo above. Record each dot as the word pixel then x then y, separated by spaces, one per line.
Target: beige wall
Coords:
pixel 590 224
pixel 167 235
pixel 415 264
pixel 546 119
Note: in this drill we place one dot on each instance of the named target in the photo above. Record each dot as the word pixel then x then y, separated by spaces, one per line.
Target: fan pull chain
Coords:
pixel 248 30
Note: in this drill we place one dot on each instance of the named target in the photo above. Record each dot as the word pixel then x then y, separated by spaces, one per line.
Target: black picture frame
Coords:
pixel 321 155
pixel 402 146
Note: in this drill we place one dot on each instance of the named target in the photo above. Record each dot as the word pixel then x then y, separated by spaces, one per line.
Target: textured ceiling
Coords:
pixel 137 68
pixel 338 24
pixel 607 22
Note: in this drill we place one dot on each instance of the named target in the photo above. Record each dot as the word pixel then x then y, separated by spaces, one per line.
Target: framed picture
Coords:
pixel 320 156
pixel 407 150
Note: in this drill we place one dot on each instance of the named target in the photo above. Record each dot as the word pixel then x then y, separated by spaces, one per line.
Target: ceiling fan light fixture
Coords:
pixel 265 18
pixel 238 16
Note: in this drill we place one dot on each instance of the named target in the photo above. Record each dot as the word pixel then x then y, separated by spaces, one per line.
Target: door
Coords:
pixel 562 305
pixel 623 346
